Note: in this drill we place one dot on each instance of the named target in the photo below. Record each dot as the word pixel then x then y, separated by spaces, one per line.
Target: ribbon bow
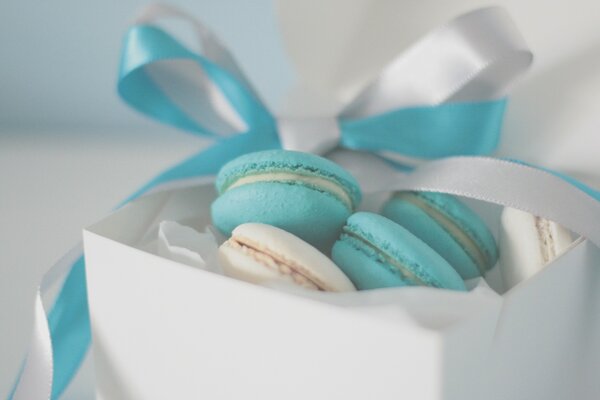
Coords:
pixel 441 97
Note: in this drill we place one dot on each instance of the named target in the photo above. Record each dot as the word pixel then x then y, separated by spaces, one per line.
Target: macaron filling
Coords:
pixel 464 240
pixel 277 263
pixel 363 244
pixel 316 182
pixel 548 247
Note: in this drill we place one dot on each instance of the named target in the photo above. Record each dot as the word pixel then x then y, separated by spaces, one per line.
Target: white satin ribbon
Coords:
pixel 508 184
pixel 312 135
pixel 35 381
pixel 474 57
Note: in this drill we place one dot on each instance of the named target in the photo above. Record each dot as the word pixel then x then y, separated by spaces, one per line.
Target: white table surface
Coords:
pixel 55 181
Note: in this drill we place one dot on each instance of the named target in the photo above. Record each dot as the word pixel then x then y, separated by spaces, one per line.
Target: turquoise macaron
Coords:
pixel 448 226
pixel 304 194
pixel 375 252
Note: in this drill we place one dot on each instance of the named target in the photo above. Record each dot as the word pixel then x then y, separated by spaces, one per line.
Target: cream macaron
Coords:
pixel 266 255
pixel 527 244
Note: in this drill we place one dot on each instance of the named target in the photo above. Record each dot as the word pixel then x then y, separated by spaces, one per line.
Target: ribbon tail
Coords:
pixel 69 324
pixel 161 78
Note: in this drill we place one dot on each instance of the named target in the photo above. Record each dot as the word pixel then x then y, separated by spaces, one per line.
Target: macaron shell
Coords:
pixel 286 161
pixel 468 220
pixel 403 246
pixel 364 270
pixel 419 223
pixel 311 262
pixel 314 216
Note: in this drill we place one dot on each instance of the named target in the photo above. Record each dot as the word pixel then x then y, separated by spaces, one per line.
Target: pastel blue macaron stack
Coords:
pixel 448 226
pixel 375 252
pixel 304 194
pixel 421 238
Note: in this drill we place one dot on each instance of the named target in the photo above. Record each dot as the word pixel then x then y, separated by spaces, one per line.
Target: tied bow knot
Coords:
pixel 309 134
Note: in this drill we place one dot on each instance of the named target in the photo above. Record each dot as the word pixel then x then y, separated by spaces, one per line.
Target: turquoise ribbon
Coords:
pixel 69 325
pixel 424 132
pixel 429 131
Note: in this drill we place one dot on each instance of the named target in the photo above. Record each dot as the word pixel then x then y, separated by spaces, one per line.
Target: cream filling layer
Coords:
pixel 320 183
pixel 277 263
pixel 403 269
pixel 465 241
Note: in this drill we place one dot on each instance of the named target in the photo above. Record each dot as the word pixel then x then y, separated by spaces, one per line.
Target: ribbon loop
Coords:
pixel 206 94
pixel 212 47
pixel 474 57
pixel 35 379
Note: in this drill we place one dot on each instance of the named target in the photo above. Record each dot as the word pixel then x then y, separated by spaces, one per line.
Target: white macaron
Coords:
pixel 266 255
pixel 527 244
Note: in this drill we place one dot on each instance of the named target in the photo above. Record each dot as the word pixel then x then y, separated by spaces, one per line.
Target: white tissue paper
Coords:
pixel 187 246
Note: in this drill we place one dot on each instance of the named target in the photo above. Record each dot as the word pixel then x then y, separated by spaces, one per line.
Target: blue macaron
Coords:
pixel 304 194
pixel 375 252
pixel 448 226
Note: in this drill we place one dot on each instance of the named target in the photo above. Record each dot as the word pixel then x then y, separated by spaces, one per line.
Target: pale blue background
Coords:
pixel 59 58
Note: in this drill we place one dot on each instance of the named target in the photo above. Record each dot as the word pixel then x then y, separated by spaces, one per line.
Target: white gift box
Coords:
pixel 167 330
